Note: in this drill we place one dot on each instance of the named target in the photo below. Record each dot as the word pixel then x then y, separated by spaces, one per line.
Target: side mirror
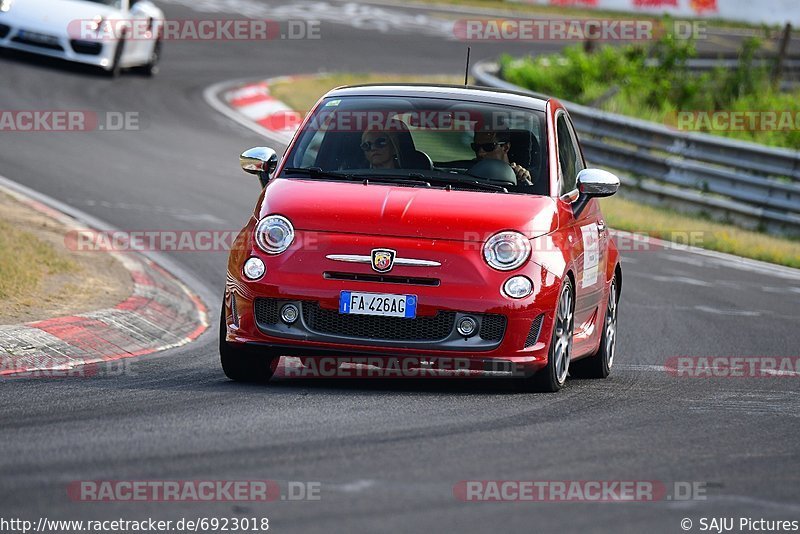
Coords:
pixel 594 183
pixel 260 161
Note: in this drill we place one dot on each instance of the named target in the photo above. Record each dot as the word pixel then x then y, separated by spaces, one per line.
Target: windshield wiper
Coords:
pixel 452 180
pixel 414 178
pixel 316 172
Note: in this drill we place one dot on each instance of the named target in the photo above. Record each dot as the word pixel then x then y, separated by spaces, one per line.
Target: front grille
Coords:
pixel 533 333
pixel 4 29
pixel 329 322
pixel 493 327
pixel 381 278
pixel 86 47
pixel 41 44
pixel 369 327
pixel 267 311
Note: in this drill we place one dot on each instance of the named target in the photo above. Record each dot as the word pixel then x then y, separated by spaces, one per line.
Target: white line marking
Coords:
pixel 680 280
pixel 719 311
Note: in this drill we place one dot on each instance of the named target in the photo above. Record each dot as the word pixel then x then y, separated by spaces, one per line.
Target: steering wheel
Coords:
pixel 493 171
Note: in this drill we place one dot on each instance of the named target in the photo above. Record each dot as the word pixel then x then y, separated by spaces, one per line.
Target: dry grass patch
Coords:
pixel 301 94
pixel 625 214
pixel 40 278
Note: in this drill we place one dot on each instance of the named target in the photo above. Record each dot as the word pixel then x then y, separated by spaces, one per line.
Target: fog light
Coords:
pixel 467 326
pixel 254 268
pixel 518 287
pixel 289 313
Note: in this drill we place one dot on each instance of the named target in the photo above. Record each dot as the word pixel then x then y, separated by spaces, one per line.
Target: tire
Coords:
pixel 151 68
pixel 243 364
pixel 554 375
pixel 116 67
pixel 599 364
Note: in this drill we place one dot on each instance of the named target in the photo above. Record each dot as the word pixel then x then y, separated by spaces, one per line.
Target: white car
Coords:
pixel 111 34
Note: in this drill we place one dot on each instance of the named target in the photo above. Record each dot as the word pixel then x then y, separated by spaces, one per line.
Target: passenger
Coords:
pixel 495 145
pixel 381 149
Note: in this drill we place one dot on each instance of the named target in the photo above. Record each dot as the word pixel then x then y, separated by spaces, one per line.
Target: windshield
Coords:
pixel 431 142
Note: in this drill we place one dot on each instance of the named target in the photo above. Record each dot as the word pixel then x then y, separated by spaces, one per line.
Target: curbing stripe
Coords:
pixel 250 103
pixel 161 313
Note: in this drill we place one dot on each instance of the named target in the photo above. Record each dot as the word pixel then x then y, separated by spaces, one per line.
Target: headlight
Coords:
pixel 97 23
pixel 507 250
pixel 5 6
pixel 274 234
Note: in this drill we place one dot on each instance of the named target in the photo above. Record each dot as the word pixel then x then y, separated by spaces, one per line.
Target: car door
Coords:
pixel 587 230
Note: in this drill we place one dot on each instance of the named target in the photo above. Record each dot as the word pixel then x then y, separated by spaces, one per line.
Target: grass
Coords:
pixel 625 214
pixel 619 80
pixel 301 94
pixel 621 213
pixel 26 261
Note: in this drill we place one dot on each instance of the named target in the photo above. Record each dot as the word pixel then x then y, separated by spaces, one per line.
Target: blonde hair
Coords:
pixel 392 136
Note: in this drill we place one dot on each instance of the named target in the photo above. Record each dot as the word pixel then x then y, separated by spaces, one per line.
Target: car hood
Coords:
pixel 379 209
pixel 57 17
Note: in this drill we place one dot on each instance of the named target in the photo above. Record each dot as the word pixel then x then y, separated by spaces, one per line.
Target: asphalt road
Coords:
pixel 387 455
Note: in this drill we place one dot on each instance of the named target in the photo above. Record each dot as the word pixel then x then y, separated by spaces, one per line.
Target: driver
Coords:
pixel 495 145
pixel 381 149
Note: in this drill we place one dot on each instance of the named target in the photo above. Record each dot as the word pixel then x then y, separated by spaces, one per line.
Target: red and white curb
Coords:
pixel 250 104
pixel 161 313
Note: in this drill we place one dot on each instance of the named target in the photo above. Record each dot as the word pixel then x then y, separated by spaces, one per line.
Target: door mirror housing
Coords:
pixel 260 161
pixel 594 183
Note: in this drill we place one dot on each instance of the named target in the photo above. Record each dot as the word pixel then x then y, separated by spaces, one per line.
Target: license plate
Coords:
pixel 37 37
pixel 384 304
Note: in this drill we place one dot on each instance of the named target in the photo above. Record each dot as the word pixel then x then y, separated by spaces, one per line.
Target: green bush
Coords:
pixel 656 84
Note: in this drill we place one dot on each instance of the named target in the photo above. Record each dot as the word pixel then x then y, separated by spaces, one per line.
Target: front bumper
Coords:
pixel 509 330
pixel 42 42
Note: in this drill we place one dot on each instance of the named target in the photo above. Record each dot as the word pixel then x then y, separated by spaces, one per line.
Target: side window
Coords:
pixel 568 157
pixel 579 163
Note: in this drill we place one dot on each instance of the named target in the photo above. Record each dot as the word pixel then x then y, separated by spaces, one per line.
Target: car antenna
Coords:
pixel 466 70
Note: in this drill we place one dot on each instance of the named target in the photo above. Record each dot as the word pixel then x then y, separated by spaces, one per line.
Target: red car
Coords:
pixel 429 224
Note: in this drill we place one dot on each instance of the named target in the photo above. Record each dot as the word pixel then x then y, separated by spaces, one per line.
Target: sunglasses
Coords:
pixel 486 147
pixel 380 142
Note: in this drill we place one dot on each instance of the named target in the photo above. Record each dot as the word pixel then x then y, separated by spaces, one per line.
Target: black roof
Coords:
pixel 456 92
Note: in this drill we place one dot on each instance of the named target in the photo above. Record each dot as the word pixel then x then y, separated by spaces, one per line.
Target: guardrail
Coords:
pixel 745 183
pixel 790 69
